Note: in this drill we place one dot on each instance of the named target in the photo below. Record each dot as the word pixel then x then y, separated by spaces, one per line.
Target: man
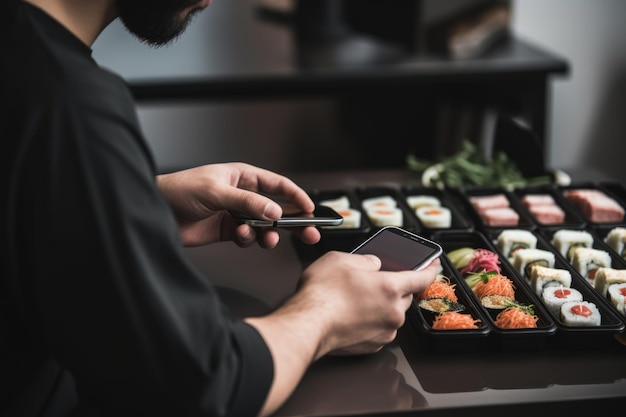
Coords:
pixel 101 313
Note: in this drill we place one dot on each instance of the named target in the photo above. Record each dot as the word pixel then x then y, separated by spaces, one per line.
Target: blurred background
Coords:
pixel 237 40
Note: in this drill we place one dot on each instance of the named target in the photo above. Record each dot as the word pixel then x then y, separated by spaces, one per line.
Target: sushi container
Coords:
pixel 613 191
pixel 617 262
pixel 619 250
pixel 598 243
pixel 506 340
pixel 577 337
pixel 339 199
pixel 382 195
pixel 450 341
pixel 459 219
pixel 571 217
pixel 524 221
pixel 335 238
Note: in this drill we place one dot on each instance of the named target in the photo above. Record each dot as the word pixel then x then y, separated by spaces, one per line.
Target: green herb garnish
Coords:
pixel 470 167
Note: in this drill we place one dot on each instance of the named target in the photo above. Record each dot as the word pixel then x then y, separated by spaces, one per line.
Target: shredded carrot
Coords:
pixel 516 318
pixel 440 288
pixel 495 285
pixel 453 320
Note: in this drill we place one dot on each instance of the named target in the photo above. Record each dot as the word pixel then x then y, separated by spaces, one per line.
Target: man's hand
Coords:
pixel 202 197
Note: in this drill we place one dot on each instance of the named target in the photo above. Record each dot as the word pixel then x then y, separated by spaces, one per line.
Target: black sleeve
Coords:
pixel 111 292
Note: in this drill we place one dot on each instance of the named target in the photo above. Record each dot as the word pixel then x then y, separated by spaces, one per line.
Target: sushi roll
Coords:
pixel 440 296
pixel 587 261
pixel 606 277
pixel 440 305
pixel 617 297
pixel 434 217
pixel 565 241
pixel 351 219
pixel 511 240
pixel 339 203
pixel 524 259
pixel 542 277
pixel 385 201
pixel 554 297
pixel 580 313
pixel 417 201
pixel 496 301
pixel 616 239
pixel 385 216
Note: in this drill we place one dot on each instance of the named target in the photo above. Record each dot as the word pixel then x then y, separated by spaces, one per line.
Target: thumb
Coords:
pixel 250 203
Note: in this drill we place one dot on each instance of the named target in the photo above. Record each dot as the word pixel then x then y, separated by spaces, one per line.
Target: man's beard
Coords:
pixel 155 22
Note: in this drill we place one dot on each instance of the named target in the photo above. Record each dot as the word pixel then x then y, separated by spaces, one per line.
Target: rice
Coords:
pixel 385 216
pixel 510 240
pixel 417 201
pixel 587 261
pixel 339 203
pixel 434 217
pixel 554 297
pixel 580 313
pixel 384 201
pixel 565 241
pixel 617 296
pixel 524 259
pixel 351 219
pixel 541 277
pixel 616 239
pixel 605 277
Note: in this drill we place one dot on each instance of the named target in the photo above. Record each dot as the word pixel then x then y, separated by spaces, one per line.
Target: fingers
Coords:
pixel 308 235
pixel 245 236
pixel 368 305
pixel 248 203
pixel 414 282
pixel 270 183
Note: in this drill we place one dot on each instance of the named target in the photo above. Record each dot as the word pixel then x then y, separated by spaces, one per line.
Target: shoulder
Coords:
pixel 43 61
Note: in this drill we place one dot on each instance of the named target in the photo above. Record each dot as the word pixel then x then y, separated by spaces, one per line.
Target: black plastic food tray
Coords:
pixel 579 337
pixel 337 238
pixel 509 340
pixel 460 220
pixel 572 217
pixel 409 221
pixel 613 190
pixel 601 231
pixel 525 220
pixel 451 341
pixel 598 243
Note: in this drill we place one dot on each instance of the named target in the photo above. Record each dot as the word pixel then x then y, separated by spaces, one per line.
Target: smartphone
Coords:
pixel 399 249
pixel 321 216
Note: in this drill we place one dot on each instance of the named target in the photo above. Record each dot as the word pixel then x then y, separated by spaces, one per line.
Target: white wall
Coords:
pixel 588 111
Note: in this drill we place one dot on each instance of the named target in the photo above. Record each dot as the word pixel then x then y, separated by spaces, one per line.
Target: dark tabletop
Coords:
pixel 407 377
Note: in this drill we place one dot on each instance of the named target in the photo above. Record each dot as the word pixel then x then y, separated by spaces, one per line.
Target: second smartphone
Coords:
pixel 322 216
pixel 399 249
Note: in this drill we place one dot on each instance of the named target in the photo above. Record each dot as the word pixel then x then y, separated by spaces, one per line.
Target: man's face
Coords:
pixel 158 22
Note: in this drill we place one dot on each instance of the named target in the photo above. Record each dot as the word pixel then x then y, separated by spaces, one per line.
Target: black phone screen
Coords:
pixel 399 249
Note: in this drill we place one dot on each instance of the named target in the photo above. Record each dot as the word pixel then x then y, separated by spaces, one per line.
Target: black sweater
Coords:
pixel 95 286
